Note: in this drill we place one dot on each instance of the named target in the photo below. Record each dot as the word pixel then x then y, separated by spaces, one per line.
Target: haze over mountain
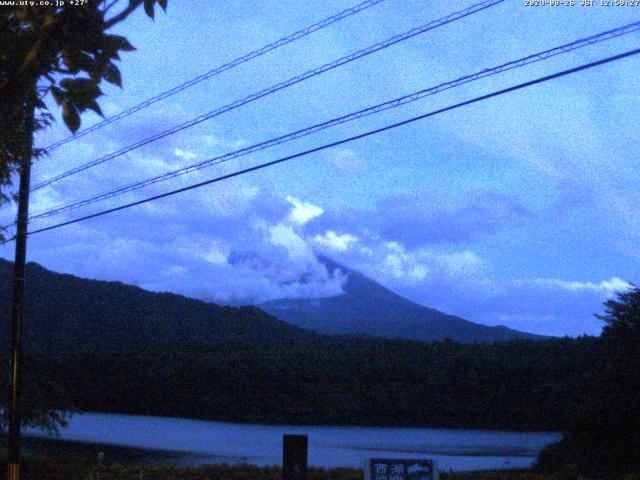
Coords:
pixel 368 308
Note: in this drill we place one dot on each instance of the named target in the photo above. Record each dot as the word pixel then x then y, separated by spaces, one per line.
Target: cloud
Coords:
pixel 416 221
pixel 187 155
pixel 549 306
pixel 605 287
pixel 333 241
pixel 302 212
pixel 241 245
pixel 574 193
pixel 397 265
pixel 462 282
pixel 236 242
pixel 430 265
pixel 284 236
pixel 419 220
pixel 245 245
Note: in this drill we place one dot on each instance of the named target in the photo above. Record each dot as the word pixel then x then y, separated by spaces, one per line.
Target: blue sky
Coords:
pixel 520 210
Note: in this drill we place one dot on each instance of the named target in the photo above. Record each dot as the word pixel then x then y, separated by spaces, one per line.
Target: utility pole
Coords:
pixel 19 279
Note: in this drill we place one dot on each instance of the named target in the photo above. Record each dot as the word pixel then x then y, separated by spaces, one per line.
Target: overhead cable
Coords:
pixel 345 140
pixel 218 70
pixel 591 40
pixel 280 86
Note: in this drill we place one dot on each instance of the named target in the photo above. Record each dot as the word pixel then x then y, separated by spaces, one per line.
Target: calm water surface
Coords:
pixel 219 442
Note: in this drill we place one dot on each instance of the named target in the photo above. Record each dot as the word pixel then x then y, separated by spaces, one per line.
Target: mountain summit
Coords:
pixel 368 308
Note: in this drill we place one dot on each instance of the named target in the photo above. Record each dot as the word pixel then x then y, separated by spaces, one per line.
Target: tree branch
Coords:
pixel 108 7
pixel 122 15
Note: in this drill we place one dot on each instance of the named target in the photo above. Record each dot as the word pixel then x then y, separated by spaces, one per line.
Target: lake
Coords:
pixel 205 442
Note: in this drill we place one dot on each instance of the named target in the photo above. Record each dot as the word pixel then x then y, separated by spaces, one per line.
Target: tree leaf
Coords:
pixel 71 59
pixel 31 55
pixel 112 75
pixel 84 86
pixel 71 117
pixel 81 94
pixel 91 66
pixel 39 103
pixel 111 44
pixel 66 83
pixel 95 107
pixel 49 19
pixel 124 44
pixel 163 4
pixel 58 95
pixel 149 7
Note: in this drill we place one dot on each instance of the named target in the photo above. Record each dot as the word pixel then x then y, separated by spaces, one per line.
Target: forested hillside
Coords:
pixel 106 346
pixel 65 312
pixel 517 385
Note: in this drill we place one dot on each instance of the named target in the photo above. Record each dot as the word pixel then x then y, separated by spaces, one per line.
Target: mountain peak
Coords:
pixel 368 308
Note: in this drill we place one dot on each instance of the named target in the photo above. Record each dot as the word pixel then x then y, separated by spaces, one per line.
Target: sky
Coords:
pixel 521 210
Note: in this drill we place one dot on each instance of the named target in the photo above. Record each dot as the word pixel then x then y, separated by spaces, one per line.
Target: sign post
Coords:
pixel 400 469
pixel 294 457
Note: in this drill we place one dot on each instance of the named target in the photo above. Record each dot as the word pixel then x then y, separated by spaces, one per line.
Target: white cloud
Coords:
pixel 185 154
pixel 415 265
pixel 394 264
pixel 605 287
pixel 175 270
pixel 460 263
pixel 336 242
pixel 216 255
pixel 284 236
pixel 302 212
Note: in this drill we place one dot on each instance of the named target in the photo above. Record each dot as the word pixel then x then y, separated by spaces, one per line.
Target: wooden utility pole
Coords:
pixel 17 304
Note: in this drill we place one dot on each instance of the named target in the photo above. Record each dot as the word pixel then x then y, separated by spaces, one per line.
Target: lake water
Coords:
pixel 219 442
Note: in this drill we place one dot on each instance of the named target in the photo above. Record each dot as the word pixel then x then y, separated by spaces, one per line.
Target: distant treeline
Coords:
pixel 105 346
pixel 522 384
pixel 110 347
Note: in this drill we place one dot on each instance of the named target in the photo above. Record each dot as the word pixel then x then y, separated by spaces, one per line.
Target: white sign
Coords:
pixel 400 469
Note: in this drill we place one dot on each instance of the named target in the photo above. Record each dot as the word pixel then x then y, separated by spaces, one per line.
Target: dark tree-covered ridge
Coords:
pixel 602 437
pixel 119 348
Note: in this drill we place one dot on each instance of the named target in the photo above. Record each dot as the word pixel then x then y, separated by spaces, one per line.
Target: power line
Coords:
pixel 347 140
pixel 282 85
pixel 614 33
pixel 218 70
pixel 292 81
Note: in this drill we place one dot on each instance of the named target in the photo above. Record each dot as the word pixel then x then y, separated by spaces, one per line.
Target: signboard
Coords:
pixel 400 469
pixel 294 457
